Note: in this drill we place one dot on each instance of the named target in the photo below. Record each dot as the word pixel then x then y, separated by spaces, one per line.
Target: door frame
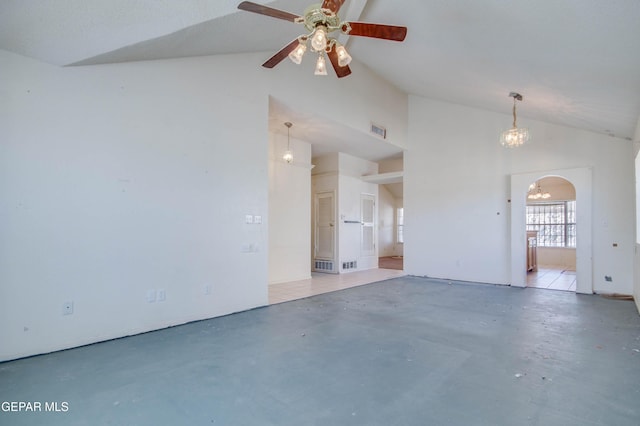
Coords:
pixel 581 178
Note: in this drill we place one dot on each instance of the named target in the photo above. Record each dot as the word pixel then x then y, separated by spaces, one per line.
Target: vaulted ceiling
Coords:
pixel 577 62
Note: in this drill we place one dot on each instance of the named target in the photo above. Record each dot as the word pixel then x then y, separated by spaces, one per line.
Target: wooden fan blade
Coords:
pixel 332 5
pixel 387 32
pixel 340 71
pixel 268 11
pixel 283 53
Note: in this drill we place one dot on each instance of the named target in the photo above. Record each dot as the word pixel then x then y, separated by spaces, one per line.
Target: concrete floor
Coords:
pixel 407 351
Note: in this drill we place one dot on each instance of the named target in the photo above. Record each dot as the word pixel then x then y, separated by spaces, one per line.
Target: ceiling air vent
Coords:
pixel 379 131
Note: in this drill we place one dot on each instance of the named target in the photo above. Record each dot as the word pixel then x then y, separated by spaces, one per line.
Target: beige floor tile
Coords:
pixel 325 283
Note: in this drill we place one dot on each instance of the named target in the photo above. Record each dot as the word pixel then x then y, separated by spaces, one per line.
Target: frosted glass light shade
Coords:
pixel 321 66
pixel 297 53
pixel 344 58
pixel 319 39
pixel 514 137
pixel 288 156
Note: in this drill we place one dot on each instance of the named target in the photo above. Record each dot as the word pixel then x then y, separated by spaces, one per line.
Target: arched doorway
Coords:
pixel 581 180
pixel 550 221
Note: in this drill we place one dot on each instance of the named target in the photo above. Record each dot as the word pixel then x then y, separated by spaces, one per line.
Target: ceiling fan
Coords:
pixel 321 20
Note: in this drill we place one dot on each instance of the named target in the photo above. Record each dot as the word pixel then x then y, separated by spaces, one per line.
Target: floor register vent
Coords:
pixel 324 265
pixel 350 265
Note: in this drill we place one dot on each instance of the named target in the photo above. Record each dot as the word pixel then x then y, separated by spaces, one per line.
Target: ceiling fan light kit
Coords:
pixel 321 67
pixel 298 52
pixel 321 20
pixel 344 58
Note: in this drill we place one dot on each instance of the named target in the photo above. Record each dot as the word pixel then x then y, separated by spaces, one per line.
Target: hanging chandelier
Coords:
pixel 288 155
pixel 515 136
pixel 536 193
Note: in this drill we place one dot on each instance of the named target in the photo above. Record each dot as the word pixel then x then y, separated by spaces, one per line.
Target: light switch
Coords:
pixel 248 218
pixel 257 219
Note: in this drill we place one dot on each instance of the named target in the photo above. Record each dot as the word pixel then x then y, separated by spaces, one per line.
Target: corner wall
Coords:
pixel 125 188
pixel 289 245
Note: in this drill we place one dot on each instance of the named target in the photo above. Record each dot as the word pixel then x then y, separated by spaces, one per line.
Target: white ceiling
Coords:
pixel 577 62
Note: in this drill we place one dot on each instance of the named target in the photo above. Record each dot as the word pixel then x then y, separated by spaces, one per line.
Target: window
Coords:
pixel 555 222
pixel 400 225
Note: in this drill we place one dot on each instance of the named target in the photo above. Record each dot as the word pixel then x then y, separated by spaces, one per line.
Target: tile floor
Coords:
pixel 553 279
pixel 324 283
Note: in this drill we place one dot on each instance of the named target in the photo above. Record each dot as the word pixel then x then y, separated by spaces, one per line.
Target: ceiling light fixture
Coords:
pixel 288 155
pixel 536 193
pixel 344 58
pixel 321 66
pixel 514 136
pixel 320 21
pixel 297 53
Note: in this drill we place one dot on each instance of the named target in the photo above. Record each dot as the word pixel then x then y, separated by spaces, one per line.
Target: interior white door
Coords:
pixel 367 220
pixel 325 229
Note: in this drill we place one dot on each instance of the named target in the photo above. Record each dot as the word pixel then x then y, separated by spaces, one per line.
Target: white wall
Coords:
pixel 391 165
pixel 289 211
pixel 116 183
pixel 388 245
pixel 556 257
pixel 636 287
pixel 350 190
pixel 386 222
pixel 457 193
pixel 125 178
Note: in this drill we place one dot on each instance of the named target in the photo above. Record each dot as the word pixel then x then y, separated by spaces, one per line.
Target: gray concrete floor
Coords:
pixel 407 351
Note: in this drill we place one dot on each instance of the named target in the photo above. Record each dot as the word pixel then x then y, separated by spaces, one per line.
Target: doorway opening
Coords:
pixel 550 220
pixel 391 213
pixel 581 179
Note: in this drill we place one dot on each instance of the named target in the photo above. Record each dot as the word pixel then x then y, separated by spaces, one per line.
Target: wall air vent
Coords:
pixel 379 131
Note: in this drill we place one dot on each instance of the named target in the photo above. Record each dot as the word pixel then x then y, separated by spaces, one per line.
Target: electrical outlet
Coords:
pixel 162 295
pixel 207 289
pixel 151 296
pixel 67 308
